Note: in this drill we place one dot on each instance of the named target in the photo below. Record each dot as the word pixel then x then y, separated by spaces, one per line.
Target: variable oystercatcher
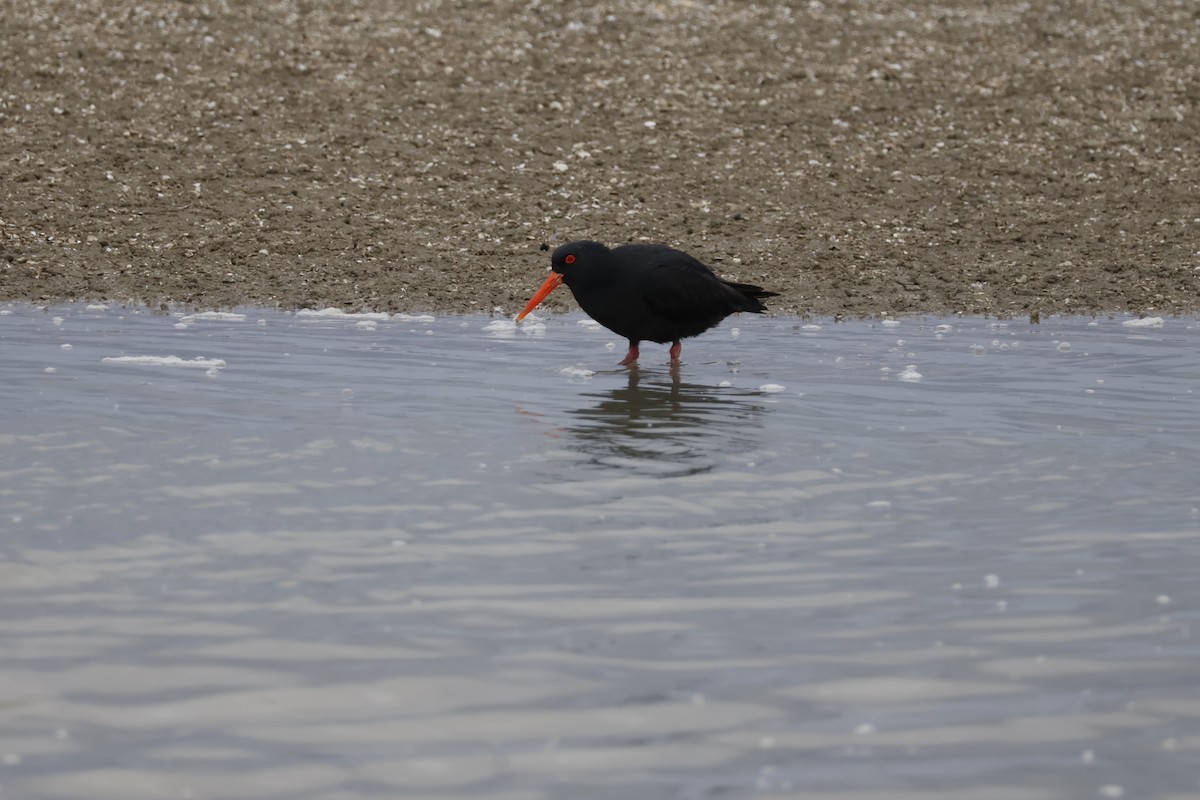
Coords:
pixel 646 292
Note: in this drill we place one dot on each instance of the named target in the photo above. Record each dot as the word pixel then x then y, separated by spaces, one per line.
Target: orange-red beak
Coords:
pixel 551 283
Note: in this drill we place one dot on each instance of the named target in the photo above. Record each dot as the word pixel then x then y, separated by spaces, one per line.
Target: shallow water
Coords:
pixel 321 556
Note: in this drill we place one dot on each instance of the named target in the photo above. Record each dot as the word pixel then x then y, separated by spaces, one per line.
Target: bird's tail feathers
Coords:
pixel 755 292
pixel 754 295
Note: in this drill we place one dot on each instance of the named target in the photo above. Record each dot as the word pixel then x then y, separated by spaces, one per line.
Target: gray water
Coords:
pixel 405 557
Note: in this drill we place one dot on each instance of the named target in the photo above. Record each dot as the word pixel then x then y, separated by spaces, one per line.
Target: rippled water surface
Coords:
pixel 265 555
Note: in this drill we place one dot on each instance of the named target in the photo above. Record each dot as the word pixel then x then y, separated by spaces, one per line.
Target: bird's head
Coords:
pixel 568 262
pixel 576 259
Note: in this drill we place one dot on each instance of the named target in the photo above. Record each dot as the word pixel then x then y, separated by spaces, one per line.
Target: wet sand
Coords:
pixel 858 157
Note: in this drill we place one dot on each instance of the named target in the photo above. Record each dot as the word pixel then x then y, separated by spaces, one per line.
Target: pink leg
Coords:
pixel 674 351
pixel 632 356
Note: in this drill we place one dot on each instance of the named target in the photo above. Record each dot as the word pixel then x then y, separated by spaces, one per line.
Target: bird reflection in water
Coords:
pixel 660 425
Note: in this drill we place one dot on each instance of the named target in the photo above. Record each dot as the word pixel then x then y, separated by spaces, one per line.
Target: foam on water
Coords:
pixel 441 559
pixel 577 372
pixel 508 329
pixel 207 316
pixel 1144 322
pixel 164 361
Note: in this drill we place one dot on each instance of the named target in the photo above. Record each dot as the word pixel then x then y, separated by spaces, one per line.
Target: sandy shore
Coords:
pixel 859 157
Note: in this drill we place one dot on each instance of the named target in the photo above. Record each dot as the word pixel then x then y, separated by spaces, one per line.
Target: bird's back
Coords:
pixel 683 295
pixel 690 272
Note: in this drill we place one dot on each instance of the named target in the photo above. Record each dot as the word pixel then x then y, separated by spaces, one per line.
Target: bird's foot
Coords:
pixel 674 351
pixel 631 357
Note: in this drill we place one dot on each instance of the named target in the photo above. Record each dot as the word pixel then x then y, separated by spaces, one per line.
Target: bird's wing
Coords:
pixel 680 288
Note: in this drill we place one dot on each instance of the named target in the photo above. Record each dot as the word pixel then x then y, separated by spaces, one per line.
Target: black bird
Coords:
pixel 646 292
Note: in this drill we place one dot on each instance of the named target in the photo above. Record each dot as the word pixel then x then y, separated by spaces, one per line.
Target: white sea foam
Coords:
pixel 214 316
pixel 165 361
pixel 501 327
pixel 1144 322
pixel 337 314
pixel 507 329
pixel 910 374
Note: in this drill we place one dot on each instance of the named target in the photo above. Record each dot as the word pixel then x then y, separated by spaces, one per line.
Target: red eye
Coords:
pixel 569 260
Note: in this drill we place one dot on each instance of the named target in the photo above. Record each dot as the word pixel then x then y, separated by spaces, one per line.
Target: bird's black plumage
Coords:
pixel 650 292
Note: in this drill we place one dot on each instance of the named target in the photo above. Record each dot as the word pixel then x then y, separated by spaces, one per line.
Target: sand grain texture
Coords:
pixel 860 157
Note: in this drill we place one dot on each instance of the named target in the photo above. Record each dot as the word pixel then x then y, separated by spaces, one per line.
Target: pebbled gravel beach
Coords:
pixel 860 157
